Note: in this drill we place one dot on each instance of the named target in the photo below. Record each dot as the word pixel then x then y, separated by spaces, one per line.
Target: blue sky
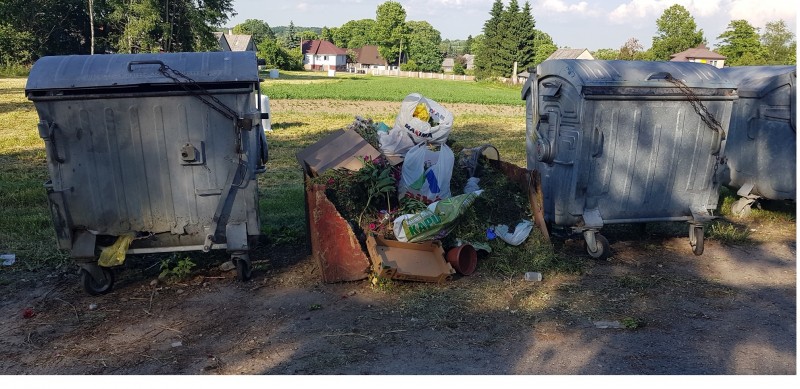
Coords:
pixel 571 23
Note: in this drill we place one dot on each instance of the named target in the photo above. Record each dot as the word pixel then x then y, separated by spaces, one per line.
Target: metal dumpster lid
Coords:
pixel 633 73
pixel 757 81
pixel 112 70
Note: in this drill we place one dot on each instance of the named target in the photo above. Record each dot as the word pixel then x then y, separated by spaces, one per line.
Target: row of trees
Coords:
pixel 741 43
pixel 30 29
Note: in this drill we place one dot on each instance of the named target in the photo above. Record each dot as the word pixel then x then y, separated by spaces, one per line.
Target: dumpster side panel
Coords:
pixel 762 141
pixel 123 170
pixel 655 161
pixel 622 139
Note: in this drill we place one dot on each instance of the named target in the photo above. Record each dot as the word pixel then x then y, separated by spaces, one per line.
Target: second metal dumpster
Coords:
pixel 160 148
pixel 627 142
pixel 761 147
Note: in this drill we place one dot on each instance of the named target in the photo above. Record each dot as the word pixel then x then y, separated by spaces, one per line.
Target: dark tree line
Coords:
pixel 30 29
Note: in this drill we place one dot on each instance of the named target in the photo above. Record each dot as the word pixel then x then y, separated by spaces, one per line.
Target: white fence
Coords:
pixel 440 76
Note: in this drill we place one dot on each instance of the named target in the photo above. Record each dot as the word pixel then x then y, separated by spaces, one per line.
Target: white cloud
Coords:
pixel 652 9
pixel 302 7
pixel 759 12
pixel 560 6
pixel 756 12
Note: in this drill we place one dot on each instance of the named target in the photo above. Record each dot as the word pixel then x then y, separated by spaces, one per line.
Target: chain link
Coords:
pixel 706 116
pixel 701 110
pixel 204 95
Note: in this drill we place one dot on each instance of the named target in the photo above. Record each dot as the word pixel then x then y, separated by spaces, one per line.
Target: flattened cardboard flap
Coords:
pixel 409 261
pixel 340 149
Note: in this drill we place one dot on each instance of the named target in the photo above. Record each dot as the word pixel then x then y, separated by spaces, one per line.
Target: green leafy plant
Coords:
pixel 176 268
pixel 632 323
pixel 377 178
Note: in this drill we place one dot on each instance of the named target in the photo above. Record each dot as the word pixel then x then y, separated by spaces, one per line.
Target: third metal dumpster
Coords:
pixel 761 147
pixel 161 148
pixel 627 142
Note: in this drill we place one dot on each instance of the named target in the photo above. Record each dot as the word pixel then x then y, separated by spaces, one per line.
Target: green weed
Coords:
pixel 632 323
pixel 175 267
pixel 728 233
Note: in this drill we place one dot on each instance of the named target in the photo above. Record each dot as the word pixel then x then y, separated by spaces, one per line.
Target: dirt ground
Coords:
pixel 653 308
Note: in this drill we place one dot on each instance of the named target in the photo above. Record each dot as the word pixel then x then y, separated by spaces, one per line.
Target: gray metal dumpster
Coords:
pixel 163 148
pixel 627 142
pixel 761 146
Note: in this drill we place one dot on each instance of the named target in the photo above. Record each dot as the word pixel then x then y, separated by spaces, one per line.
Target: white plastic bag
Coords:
pixel 432 126
pixel 521 232
pixel 396 142
pixel 426 174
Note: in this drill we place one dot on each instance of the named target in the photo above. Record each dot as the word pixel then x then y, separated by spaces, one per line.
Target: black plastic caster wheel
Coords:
pixel 697 239
pixel 603 249
pixel 94 287
pixel 243 269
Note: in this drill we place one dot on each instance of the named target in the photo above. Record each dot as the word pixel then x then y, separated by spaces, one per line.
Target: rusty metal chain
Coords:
pixel 706 116
pixel 698 106
pixel 202 94
pixel 199 92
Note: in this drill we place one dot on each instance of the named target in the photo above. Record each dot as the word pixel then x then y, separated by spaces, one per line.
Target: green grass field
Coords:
pixel 299 85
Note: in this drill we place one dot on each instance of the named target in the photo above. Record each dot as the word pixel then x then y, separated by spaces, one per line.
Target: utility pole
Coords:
pixel 91 23
pixel 399 57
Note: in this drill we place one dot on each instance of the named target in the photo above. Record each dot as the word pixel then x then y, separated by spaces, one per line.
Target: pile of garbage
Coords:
pixel 411 184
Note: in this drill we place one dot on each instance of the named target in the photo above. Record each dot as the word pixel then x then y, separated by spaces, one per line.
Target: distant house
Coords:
pixel 700 54
pixel 470 61
pixel 448 63
pixel 222 41
pixel 235 42
pixel 571 54
pixel 323 55
pixel 368 57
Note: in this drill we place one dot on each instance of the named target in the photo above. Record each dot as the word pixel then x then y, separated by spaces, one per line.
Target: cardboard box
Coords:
pixel 409 261
pixel 340 149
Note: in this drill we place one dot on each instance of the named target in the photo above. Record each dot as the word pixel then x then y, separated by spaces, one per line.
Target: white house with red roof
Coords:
pixel 323 55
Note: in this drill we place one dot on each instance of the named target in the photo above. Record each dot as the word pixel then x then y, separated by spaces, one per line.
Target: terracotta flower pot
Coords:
pixel 463 258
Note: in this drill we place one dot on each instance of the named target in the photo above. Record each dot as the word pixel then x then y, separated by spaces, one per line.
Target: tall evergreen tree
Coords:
pixel 508 44
pixel 526 38
pixel 292 39
pixel 487 51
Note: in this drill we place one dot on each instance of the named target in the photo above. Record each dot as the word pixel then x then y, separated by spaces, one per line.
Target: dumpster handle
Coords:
pixel 153 62
pixel 597 142
pixel 659 76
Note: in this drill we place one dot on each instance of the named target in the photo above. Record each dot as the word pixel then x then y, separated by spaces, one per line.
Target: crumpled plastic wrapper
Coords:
pixel 114 255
